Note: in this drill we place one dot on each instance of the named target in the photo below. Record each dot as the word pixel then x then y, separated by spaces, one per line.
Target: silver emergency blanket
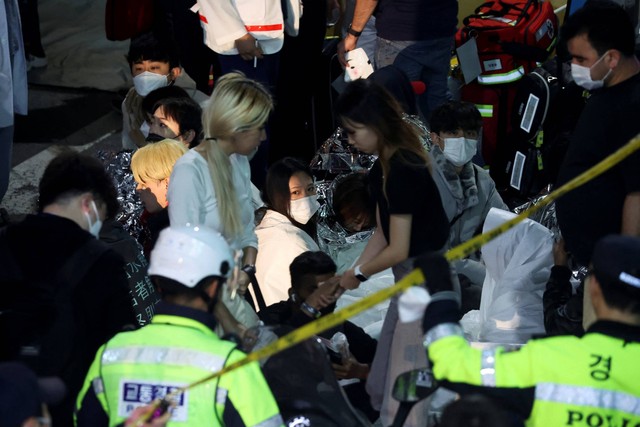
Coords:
pixel 118 165
pixel 334 160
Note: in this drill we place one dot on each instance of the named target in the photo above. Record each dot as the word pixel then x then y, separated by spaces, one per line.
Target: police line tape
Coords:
pixel 416 277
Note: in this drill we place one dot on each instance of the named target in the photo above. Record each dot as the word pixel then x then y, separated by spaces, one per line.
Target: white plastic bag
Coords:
pixel 518 267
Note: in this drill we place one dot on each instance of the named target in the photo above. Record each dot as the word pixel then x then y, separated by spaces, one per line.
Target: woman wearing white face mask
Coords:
pixel 288 227
pixel 467 191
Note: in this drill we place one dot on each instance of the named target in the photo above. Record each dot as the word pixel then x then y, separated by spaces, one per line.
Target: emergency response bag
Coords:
pixel 512 37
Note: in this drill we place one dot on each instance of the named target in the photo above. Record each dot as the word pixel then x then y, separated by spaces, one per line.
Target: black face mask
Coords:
pixel 154 137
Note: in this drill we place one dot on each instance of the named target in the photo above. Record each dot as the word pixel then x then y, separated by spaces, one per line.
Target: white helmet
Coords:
pixel 188 254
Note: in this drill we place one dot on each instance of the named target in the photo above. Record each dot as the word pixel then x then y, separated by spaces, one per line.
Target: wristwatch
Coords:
pixel 353 32
pixel 361 277
pixel 250 269
pixel 311 310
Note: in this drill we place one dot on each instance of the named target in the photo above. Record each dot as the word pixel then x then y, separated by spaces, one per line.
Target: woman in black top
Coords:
pixel 410 221
pixel 409 210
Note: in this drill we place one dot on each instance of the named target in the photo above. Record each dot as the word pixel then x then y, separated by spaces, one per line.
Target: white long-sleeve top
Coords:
pixel 192 198
pixel 279 242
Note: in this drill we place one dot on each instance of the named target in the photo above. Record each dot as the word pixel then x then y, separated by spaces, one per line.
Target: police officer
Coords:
pixel 188 266
pixel 591 380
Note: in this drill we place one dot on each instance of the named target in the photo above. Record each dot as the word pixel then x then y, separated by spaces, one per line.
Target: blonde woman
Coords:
pixel 151 166
pixel 210 185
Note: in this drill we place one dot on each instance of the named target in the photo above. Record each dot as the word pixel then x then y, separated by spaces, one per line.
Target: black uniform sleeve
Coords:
pixel 91 413
pixel 562 310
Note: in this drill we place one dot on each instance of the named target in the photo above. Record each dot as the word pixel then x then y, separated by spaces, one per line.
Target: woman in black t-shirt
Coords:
pixel 410 221
pixel 409 210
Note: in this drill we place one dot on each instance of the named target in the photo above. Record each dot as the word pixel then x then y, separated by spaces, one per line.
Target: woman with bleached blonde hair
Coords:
pixel 210 185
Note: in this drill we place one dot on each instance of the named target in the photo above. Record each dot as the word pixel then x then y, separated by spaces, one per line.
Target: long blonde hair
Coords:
pixel 237 104
pixel 154 162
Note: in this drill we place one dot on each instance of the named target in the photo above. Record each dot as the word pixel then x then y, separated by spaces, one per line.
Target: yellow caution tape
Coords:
pixel 415 277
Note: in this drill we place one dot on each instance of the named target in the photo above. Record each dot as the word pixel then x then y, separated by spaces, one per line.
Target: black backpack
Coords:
pixel 546 108
pixel 37 323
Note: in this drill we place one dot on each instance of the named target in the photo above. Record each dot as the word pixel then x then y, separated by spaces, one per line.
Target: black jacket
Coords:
pixel 100 302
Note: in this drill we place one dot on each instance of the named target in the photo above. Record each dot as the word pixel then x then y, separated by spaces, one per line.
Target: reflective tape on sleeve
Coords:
pixel 588 396
pixel 488 368
pixel 440 331
pixel 98 386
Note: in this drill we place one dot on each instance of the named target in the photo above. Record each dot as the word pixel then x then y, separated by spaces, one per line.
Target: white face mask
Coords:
pixel 303 209
pixel 460 150
pixel 94 227
pixel 582 75
pixel 147 81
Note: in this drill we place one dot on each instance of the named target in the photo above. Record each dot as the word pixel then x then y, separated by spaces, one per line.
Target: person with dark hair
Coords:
pixel 568 380
pixel 353 204
pixel 287 227
pixel 312 295
pixel 24 397
pixel 410 221
pixel 467 190
pixel 188 265
pixel 474 410
pixel 60 336
pixel 153 65
pixel 397 83
pixel 600 40
pixel 177 118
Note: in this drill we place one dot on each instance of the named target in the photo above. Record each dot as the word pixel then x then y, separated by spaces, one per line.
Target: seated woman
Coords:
pixel 152 166
pixel 288 226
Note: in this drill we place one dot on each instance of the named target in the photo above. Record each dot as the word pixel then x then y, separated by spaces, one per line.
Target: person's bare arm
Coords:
pixel 631 215
pixel 396 251
pixel 361 14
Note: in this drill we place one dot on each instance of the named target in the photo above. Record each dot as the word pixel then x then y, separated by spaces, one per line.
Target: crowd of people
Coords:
pixel 108 321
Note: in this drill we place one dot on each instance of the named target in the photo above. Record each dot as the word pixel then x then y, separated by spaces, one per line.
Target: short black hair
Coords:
pixel 454 115
pixel 147 47
pixel 606 24
pixel 352 196
pixel 171 91
pixel 474 410
pixel 186 112
pixel 310 263
pixel 167 287
pixel 70 174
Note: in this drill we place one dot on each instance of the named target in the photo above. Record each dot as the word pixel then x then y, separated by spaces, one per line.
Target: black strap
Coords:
pixel 256 290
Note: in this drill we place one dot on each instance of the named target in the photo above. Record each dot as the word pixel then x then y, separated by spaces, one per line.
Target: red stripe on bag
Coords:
pixel 203 19
pixel 273 27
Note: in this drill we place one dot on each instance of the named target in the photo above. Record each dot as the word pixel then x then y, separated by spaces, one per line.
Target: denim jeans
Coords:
pixel 424 60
